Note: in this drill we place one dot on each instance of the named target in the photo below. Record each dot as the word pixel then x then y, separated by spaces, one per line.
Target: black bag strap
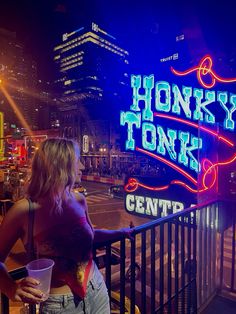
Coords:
pixel 30 242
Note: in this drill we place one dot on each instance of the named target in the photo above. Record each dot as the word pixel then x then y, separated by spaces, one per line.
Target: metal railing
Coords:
pixel 181 259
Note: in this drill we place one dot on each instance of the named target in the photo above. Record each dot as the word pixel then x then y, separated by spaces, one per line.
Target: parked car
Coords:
pixel 80 189
pixel 116 191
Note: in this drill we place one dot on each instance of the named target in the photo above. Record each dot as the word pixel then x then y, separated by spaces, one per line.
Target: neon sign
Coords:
pixel 160 102
pixel 151 207
pixel 204 69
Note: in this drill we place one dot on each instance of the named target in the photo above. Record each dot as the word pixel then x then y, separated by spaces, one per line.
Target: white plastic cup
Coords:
pixel 41 269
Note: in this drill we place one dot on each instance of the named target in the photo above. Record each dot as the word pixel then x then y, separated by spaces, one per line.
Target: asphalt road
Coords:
pixel 106 212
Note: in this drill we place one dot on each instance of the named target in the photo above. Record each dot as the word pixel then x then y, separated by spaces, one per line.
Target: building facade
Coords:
pixel 89 61
pixel 93 78
pixel 18 73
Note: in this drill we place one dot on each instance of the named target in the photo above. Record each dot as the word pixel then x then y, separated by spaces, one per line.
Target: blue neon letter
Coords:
pixel 222 97
pixel 149 141
pixel 210 98
pixel 148 84
pixel 184 150
pixel 131 118
pixel 163 89
pixel 178 100
pixel 164 143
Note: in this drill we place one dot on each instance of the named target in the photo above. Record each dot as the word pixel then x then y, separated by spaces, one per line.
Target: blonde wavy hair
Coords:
pixel 54 169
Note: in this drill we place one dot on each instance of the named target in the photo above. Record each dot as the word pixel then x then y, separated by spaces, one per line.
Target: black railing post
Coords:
pixel 122 276
pixel 108 269
pixel 4 304
pixel 169 265
pixel 143 272
pixel 161 286
pixel 182 264
pixel 194 266
pixel 32 309
pixel 132 284
pixel 176 266
pixel 188 263
pixel 153 270
pixel 233 257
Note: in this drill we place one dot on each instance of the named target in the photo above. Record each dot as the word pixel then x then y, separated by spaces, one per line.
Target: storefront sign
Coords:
pixel 175 125
pixel 151 207
pixel 85 144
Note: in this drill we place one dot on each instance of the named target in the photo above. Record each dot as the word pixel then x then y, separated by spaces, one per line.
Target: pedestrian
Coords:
pixel 53 222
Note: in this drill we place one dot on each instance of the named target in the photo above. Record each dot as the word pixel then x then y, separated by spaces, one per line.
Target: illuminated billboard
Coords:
pixel 179 127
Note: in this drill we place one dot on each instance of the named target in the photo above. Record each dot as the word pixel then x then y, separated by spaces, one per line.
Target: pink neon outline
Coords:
pixel 204 68
pixel 133 183
pixel 195 125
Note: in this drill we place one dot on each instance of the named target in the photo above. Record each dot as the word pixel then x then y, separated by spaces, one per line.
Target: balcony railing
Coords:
pixel 182 259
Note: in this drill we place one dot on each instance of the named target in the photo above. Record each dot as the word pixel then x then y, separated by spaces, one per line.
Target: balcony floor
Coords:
pixel 220 305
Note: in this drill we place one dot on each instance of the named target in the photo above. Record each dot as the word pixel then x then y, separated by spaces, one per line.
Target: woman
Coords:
pixel 61 230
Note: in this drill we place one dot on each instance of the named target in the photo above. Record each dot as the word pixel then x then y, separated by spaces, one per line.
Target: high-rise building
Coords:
pixel 90 63
pixel 47 106
pixel 18 74
pixel 93 79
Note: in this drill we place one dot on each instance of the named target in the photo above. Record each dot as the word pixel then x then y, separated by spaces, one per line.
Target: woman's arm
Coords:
pixel 103 235
pixel 10 231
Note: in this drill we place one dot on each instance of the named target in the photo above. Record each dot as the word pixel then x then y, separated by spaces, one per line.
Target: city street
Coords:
pixel 102 208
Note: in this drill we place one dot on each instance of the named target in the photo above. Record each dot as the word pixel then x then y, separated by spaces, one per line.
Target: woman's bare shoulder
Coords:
pixel 19 208
pixel 79 197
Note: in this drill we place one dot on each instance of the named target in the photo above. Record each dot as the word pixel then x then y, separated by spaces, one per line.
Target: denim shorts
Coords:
pixel 96 299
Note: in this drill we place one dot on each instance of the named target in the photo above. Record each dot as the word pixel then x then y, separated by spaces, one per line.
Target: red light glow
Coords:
pixel 208 179
pixel 205 68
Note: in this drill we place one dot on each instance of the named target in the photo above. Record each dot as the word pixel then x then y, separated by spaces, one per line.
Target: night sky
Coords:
pixel 138 25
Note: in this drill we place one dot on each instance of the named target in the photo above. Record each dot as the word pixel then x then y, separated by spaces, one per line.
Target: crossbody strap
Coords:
pixel 30 242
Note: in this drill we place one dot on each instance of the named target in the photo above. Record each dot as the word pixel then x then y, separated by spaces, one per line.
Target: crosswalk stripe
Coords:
pixel 228 265
pixel 228 241
pixel 99 197
pixel 92 199
pixel 226 254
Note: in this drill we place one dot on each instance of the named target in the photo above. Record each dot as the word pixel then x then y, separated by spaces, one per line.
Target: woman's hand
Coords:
pixel 127 233
pixel 26 291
